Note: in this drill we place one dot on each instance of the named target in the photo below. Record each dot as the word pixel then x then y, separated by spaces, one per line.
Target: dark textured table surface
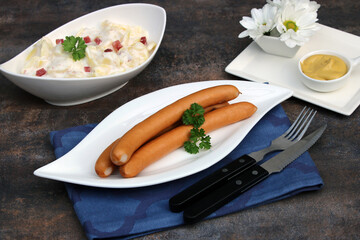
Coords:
pixel 199 42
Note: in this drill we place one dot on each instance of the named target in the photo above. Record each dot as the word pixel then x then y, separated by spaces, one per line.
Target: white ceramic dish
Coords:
pixel 71 91
pixel 275 46
pixel 256 65
pixel 330 85
pixel 77 166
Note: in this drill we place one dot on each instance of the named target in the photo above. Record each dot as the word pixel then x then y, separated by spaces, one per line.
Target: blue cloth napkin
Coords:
pixel 129 213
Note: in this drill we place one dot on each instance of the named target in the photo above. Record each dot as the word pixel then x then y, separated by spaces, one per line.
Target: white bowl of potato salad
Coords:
pixel 91 56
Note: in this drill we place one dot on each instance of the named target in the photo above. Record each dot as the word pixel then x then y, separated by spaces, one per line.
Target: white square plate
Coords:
pixel 256 65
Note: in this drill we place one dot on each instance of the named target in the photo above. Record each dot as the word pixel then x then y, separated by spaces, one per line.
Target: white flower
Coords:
pixel 310 6
pixel 293 21
pixel 296 24
pixel 262 21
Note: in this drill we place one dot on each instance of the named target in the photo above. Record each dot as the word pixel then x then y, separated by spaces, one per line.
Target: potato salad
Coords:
pixel 93 52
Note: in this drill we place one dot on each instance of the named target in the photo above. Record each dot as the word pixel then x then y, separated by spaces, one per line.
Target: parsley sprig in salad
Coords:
pixel 76 46
pixel 198 139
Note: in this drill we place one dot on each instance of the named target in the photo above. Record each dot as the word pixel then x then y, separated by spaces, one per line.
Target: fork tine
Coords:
pixel 294 123
pixel 307 125
pixel 298 121
pixel 300 124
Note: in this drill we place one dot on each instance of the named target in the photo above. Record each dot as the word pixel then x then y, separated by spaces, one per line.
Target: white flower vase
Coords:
pixel 273 45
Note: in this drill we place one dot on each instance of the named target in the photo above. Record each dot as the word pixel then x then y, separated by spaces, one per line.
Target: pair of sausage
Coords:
pixel 104 167
pixel 173 139
pixel 123 148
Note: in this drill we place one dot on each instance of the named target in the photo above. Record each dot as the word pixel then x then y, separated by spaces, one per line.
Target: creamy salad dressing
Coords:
pixel 112 48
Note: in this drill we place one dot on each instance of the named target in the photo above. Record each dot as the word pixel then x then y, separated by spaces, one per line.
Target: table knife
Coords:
pixel 199 189
pixel 242 181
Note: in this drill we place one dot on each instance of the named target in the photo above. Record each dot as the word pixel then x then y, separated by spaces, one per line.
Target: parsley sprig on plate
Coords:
pixel 194 116
pixel 76 46
pixel 198 139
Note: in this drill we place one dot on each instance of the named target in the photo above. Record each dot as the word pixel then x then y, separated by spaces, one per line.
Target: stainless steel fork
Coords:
pixel 295 132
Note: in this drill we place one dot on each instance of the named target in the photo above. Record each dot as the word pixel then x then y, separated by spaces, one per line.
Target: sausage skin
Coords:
pixel 170 141
pixel 147 129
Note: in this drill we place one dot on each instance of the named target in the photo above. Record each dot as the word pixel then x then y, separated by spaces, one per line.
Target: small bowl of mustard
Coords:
pixel 326 71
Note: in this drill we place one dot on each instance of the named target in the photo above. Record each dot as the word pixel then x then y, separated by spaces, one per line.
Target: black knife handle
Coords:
pixel 198 190
pixel 229 191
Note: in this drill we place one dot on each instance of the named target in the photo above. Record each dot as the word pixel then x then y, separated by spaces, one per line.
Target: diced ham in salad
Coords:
pixel 112 48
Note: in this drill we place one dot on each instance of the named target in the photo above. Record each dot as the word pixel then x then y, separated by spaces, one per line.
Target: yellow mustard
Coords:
pixel 324 67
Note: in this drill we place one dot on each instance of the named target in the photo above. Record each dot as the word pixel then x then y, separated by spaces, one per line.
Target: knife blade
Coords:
pixel 241 182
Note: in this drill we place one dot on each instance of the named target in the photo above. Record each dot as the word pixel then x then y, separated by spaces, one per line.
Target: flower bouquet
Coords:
pixel 281 27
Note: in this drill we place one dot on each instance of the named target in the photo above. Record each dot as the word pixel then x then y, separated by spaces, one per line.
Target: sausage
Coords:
pixel 170 141
pixel 104 166
pixel 147 129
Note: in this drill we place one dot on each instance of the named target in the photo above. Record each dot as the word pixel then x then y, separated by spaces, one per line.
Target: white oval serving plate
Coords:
pixel 77 166
pixel 72 91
